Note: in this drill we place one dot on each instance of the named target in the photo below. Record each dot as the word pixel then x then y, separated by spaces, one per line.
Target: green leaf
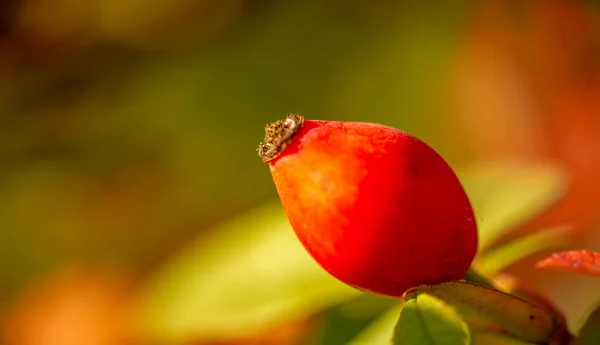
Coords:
pixel 426 320
pixel 490 310
pixel 589 334
pixel 506 195
pixel 510 285
pixel 475 276
pixel 380 331
pixel 421 317
pixel 496 259
pixel 251 274
pixel 340 324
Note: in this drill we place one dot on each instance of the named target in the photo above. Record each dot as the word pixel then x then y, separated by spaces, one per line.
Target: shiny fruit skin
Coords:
pixel 376 207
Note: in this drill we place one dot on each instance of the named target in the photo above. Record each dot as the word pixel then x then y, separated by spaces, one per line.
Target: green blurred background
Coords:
pixel 128 128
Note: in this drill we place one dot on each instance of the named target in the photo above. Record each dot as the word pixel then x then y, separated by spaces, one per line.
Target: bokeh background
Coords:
pixel 128 131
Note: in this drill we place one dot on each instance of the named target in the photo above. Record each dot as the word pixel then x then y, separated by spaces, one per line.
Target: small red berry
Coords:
pixel 376 207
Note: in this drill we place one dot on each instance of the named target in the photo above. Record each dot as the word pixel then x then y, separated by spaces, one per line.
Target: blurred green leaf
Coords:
pixel 342 323
pixel 496 259
pixel 380 331
pixel 427 320
pixel 249 275
pixel 475 276
pixel 506 195
pixel 589 334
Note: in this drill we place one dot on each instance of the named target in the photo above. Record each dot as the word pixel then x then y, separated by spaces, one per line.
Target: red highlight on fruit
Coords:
pixel 376 207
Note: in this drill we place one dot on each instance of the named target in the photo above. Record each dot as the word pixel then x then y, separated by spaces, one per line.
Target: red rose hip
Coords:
pixel 376 207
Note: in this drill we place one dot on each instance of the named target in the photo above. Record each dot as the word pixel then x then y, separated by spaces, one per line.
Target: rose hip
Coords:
pixel 376 207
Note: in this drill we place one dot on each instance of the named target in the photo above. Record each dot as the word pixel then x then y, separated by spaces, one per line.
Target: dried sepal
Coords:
pixel 278 135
